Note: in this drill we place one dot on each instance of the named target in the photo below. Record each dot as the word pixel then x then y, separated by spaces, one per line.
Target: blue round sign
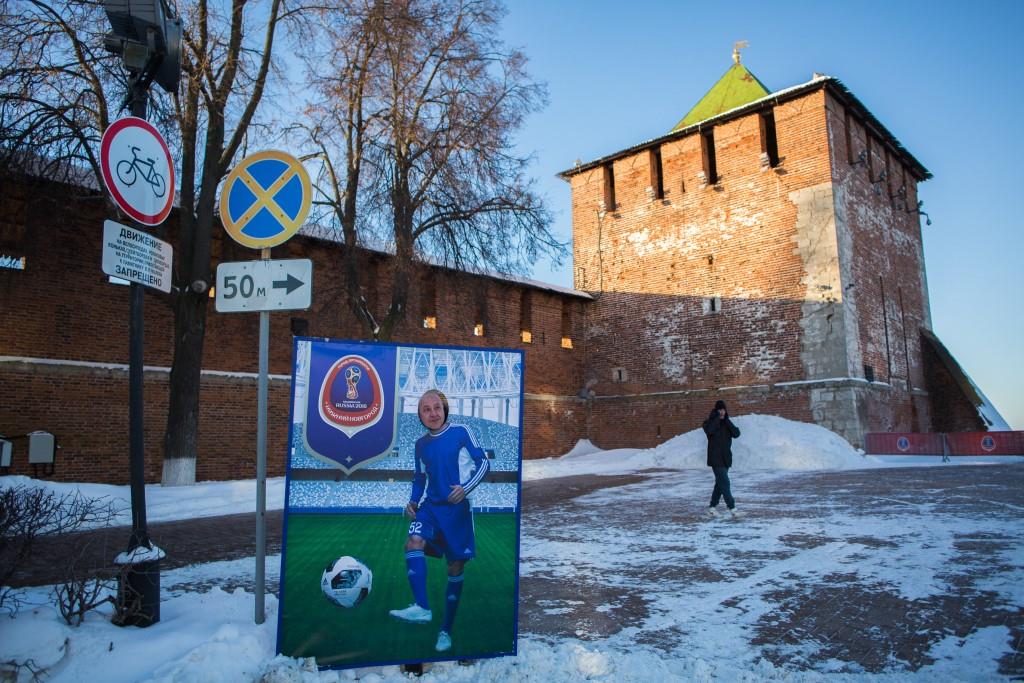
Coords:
pixel 265 199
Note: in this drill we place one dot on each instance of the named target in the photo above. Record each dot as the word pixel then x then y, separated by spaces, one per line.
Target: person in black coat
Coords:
pixel 720 432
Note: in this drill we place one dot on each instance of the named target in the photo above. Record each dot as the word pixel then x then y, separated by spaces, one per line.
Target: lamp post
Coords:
pixel 148 38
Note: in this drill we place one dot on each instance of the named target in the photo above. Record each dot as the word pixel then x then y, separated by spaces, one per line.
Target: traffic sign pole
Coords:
pixel 139 585
pixel 263 202
pixel 261 458
pixel 143 188
pixel 136 343
pixel 136 434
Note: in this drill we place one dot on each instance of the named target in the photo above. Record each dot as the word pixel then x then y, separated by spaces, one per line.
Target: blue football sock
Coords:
pixel 417 564
pixel 452 594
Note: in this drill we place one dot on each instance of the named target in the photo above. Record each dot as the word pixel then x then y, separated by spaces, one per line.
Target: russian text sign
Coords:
pixel 136 256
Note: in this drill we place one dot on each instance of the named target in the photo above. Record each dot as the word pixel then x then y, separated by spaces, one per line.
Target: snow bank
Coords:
pixel 619 461
pixel 166 503
pixel 582 447
pixel 200 637
pixel 766 443
pixel 212 637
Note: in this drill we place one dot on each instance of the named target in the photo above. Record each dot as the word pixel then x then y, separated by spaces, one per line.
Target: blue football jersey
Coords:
pixel 437 463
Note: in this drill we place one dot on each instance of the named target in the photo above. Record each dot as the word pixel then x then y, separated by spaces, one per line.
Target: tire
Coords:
pixel 125 171
pixel 159 185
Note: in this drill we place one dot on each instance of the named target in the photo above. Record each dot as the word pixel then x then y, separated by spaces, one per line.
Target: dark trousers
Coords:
pixel 722 488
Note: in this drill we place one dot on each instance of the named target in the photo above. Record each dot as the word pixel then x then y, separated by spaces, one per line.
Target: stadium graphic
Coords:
pixel 484 390
pixel 478 383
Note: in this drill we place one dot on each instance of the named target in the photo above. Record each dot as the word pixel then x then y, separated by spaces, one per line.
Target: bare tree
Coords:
pixel 225 77
pixel 55 85
pixel 436 102
pixel 59 91
pixel 343 75
pixel 80 590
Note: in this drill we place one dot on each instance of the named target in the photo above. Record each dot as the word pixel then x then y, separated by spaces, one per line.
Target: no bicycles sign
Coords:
pixel 138 170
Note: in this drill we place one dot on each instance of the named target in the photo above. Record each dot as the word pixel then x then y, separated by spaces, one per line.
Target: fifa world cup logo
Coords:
pixel 352 376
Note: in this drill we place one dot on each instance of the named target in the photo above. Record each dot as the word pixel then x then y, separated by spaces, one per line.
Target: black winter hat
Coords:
pixel 720 404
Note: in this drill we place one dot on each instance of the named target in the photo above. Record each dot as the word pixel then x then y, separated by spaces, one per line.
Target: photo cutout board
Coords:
pixel 358 454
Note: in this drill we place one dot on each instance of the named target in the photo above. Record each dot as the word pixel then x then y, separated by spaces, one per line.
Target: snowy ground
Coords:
pixel 768 443
pixel 857 582
pixel 165 504
pixel 829 576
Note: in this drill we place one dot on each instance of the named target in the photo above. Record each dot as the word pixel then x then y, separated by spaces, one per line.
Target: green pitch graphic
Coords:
pixel 311 626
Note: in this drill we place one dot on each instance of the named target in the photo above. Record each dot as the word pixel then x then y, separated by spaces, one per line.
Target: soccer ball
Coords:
pixel 346 581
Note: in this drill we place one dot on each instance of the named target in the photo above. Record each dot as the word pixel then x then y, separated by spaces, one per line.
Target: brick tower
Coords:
pixel 767 251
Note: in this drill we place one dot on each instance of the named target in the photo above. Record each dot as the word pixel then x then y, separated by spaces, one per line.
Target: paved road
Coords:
pixel 855 571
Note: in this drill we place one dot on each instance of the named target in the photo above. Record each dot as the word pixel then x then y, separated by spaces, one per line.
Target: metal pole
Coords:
pixel 261 458
pixel 138 595
pixel 136 338
pixel 136 431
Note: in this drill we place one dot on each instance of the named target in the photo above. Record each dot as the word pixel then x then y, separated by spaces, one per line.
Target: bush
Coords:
pixel 30 512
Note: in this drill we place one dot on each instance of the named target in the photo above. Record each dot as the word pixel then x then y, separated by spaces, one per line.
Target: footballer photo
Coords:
pixel 401 521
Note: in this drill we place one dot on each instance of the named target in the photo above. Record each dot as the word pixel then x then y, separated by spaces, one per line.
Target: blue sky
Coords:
pixel 944 77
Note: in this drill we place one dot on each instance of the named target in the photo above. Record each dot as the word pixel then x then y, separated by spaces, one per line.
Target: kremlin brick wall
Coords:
pixel 64 344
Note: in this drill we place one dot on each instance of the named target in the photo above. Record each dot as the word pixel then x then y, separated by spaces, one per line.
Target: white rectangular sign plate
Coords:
pixel 247 286
pixel 137 256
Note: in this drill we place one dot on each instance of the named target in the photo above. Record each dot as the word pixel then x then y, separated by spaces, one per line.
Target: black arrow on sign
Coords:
pixel 289 285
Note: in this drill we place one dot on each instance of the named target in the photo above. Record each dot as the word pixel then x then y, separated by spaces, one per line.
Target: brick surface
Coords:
pixel 71 326
pixel 783 289
pixel 816 265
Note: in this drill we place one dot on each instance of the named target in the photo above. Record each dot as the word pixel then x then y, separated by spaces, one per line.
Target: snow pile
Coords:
pixel 766 443
pixel 200 637
pixel 167 503
pixel 582 447
pixel 618 461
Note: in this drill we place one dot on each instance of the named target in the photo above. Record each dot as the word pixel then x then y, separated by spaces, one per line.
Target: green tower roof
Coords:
pixel 734 89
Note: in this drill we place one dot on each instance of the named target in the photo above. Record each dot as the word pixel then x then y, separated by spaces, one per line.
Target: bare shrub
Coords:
pixel 28 513
pixel 80 592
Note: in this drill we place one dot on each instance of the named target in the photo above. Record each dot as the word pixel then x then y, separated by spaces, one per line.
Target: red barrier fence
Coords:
pixel 986 443
pixel 934 443
pixel 888 443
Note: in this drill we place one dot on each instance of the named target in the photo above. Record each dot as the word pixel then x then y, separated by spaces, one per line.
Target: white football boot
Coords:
pixel 712 512
pixel 444 642
pixel 414 614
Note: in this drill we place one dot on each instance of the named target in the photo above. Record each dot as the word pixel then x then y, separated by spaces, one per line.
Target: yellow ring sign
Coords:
pixel 265 199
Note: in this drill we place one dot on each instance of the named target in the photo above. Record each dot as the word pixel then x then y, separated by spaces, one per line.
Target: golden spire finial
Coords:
pixel 736 47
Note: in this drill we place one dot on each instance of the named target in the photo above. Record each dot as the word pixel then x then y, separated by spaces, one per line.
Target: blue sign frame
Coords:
pixel 350 514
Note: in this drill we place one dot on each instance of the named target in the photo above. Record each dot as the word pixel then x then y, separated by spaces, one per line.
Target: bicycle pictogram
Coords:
pixel 129 171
